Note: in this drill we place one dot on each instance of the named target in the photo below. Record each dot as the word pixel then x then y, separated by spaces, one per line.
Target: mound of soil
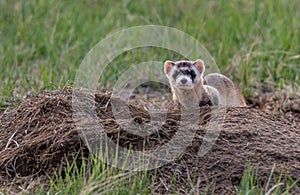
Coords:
pixel 279 104
pixel 40 135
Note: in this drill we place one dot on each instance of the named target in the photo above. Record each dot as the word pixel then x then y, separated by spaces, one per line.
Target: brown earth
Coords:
pixel 38 137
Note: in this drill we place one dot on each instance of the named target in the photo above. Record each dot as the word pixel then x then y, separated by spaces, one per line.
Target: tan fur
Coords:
pixel 230 94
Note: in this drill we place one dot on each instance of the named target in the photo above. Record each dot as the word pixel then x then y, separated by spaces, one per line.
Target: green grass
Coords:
pixel 273 185
pixel 43 42
pixel 97 177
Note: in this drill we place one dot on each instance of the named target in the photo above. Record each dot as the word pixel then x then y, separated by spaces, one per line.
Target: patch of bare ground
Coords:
pixel 279 103
pixel 38 137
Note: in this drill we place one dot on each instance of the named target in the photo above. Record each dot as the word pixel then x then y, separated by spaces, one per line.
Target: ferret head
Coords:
pixel 184 74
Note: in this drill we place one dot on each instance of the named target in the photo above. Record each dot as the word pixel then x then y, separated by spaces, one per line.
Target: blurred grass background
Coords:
pixel 42 42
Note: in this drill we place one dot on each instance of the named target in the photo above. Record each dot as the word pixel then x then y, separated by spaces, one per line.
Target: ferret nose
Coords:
pixel 183 81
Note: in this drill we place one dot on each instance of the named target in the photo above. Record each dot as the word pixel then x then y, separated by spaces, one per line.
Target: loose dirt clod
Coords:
pixel 40 135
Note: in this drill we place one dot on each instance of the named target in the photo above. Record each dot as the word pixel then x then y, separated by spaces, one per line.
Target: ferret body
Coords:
pixel 190 89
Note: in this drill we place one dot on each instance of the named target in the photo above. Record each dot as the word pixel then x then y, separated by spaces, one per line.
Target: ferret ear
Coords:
pixel 168 65
pixel 199 65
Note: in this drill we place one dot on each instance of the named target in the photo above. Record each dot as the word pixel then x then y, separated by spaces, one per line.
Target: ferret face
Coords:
pixel 184 75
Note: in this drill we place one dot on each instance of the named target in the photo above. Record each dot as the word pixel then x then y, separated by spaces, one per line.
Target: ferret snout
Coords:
pixel 183 80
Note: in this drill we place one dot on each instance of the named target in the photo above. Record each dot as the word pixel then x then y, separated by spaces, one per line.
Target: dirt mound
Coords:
pixel 40 135
pixel 279 104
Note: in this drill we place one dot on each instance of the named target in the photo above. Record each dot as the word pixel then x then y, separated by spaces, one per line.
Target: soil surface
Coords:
pixel 41 134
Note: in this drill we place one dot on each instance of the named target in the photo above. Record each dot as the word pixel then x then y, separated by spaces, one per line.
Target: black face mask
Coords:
pixel 189 73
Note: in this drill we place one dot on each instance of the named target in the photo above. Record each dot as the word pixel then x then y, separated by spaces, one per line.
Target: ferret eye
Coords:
pixel 192 74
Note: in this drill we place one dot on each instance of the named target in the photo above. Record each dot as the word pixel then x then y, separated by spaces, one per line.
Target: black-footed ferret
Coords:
pixel 190 89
